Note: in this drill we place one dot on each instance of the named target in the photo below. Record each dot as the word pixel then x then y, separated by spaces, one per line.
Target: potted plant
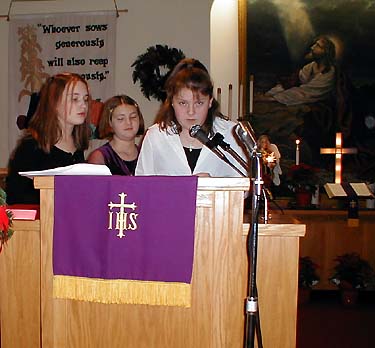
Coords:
pixel 302 180
pixel 307 278
pixel 350 274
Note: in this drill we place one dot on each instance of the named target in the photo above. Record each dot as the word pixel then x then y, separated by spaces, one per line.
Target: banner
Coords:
pixel 44 45
pixel 124 239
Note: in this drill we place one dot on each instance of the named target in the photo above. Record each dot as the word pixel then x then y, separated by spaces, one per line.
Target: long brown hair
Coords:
pixel 44 126
pixel 192 74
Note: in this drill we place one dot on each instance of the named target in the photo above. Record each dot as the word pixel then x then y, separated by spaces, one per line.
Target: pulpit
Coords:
pixel 31 317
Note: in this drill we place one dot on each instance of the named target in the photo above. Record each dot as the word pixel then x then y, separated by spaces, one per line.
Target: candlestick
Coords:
pixel 218 97
pixel 251 91
pixel 297 151
pixel 230 99
pixel 240 114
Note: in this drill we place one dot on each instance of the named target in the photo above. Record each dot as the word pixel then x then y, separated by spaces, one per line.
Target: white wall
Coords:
pixel 4 150
pixel 224 52
pixel 183 24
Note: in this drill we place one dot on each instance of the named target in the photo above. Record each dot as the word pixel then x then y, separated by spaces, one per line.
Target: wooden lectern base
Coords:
pixel 31 318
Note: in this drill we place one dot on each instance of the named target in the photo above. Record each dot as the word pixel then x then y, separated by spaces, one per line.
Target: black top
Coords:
pixel 28 156
pixel 192 157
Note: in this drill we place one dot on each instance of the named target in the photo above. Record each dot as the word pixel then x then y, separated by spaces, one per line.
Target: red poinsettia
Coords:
pixel 5 221
pixel 303 177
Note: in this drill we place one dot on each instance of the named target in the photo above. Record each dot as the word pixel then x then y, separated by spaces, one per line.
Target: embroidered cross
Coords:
pixel 122 216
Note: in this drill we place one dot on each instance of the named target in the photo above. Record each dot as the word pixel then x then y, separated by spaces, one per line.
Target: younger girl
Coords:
pixel 121 121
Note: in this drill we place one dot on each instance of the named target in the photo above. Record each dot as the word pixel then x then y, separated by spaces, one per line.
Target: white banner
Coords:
pixel 44 45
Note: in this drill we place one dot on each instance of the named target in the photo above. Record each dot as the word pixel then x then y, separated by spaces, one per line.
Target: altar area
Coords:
pixel 328 235
pixel 31 317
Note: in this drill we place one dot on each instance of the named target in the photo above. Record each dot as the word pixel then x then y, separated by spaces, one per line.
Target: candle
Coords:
pixel 240 114
pixel 297 151
pixel 218 95
pixel 230 97
pixel 251 98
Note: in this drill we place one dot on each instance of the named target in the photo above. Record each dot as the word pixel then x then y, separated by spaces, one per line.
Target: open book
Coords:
pixel 336 190
pixel 74 169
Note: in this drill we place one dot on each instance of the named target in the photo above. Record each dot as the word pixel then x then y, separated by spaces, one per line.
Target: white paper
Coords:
pixel 74 169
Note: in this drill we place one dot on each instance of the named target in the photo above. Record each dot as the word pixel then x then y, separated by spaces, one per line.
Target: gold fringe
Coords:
pixel 122 291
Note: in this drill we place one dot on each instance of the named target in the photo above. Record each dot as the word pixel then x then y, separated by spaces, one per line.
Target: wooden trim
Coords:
pixel 327 213
pixel 277 230
pixel 26 225
pixel 211 184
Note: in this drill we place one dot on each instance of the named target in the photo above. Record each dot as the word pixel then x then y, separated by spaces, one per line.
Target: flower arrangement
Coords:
pixel 307 276
pixel 352 272
pixel 5 221
pixel 303 178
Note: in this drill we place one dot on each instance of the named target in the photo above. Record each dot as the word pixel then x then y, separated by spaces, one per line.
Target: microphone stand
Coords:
pixel 218 140
pixel 218 153
pixel 252 309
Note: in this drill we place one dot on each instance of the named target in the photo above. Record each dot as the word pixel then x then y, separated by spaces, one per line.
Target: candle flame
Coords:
pixel 271 158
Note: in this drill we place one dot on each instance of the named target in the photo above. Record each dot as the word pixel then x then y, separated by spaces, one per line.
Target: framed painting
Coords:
pixel 314 76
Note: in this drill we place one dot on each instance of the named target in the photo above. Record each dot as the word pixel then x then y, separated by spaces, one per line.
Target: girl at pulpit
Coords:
pixel 57 135
pixel 168 148
pixel 121 122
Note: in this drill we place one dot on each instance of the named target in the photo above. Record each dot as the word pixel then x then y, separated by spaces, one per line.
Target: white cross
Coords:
pixel 338 151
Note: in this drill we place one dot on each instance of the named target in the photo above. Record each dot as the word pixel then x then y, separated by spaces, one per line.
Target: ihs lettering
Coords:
pixel 124 221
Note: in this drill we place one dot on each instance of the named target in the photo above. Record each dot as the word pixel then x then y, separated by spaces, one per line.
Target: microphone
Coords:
pixel 197 132
pixel 246 134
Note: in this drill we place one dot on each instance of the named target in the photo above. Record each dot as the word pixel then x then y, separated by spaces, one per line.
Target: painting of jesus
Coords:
pixel 312 63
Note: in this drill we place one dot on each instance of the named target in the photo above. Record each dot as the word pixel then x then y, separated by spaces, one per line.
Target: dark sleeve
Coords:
pixel 20 190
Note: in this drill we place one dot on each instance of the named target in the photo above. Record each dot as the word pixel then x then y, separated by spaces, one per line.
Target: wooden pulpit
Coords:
pixel 31 317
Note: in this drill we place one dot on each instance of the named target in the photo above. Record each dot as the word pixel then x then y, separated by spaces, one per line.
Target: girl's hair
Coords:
pixel 105 129
pixel 192 74
pixel 263 137
pixel 44 126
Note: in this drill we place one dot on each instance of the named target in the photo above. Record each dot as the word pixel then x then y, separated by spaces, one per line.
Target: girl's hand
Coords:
pixel 205 175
